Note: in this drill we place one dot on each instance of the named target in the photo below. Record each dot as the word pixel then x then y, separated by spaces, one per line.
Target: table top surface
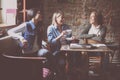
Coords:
pixel 97 49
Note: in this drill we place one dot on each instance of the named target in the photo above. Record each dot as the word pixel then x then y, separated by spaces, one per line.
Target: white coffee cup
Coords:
pixel 69 31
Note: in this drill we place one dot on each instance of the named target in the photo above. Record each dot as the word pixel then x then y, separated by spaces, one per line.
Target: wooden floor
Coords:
pixel 112 72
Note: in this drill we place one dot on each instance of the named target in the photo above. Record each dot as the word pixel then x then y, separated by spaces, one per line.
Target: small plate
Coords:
pixel 69 39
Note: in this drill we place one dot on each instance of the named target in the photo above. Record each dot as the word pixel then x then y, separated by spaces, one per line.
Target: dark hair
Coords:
pixel 99 17
pixel 31 13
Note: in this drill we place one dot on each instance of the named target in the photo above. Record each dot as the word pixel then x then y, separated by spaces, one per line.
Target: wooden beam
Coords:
pixel 24 10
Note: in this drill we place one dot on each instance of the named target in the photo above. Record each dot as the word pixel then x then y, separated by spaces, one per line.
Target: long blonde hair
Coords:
pixel 56 15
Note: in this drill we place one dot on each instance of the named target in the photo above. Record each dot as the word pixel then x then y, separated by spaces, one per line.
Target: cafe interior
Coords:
pixel 14 66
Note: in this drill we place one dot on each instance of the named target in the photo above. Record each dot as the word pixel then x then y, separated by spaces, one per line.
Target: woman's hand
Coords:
pixel 73 37
pixel 24 43
pixel 63 33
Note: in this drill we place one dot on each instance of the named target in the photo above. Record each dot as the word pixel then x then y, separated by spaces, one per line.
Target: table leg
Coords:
pixel 85 67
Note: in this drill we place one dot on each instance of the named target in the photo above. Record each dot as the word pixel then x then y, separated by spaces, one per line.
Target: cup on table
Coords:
pixel 69 31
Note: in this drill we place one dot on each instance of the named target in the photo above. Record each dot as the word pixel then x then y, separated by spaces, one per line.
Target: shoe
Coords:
pixel 92 73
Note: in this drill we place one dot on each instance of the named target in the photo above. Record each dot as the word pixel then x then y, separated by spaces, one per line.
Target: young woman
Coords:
pixel 95 32
pixel 57 33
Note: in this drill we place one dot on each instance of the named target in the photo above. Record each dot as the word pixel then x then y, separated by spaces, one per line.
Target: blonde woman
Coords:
pixel 57 33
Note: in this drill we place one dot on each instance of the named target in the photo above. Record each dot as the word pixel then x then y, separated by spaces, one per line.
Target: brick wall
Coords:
pixel 77 14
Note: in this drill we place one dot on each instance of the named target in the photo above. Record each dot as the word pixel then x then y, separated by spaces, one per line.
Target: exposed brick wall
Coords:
pixel 77 14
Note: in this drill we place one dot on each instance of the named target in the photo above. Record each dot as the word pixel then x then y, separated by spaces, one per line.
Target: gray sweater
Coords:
pixel 85 30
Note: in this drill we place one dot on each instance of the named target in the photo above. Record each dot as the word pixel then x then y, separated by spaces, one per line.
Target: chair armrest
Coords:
pixel 22 57
pixel 8 44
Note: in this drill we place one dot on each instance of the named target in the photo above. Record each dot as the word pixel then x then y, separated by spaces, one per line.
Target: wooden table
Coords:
pixel 99 49
pixel 85 51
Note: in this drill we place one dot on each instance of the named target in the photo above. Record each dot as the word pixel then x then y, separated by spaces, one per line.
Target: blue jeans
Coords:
pixel 42 52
